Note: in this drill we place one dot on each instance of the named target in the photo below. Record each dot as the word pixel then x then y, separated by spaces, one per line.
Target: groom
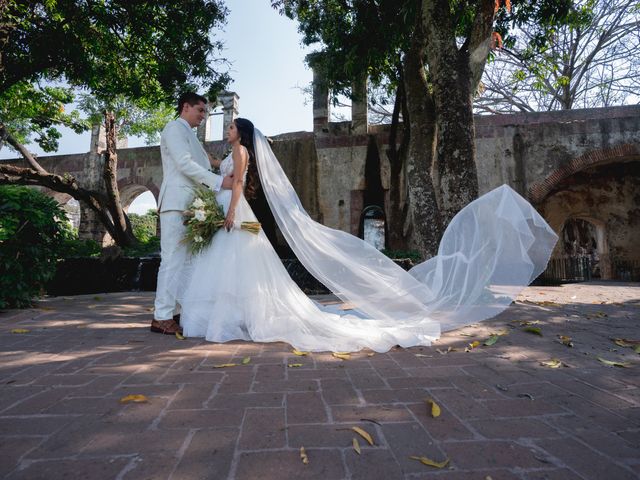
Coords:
pixel 184 165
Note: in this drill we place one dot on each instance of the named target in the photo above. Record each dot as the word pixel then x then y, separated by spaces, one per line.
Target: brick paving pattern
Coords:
pixel 504 415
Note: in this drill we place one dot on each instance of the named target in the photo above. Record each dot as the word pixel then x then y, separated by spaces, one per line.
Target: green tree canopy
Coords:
pixel 136 53
pixel 431 54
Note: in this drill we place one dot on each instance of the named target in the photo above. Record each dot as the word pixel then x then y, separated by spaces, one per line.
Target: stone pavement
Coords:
pixel 504 415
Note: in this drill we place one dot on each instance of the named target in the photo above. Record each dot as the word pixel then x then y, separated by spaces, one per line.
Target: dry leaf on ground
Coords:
pixel 303 456
pixel 472 345
pixel 435 408
pixel 552 363
pixel 134 398
pixel 491 340
pixel 614 364
pixel 431 463
pixel 225 365
pixel 565 340
pixel 246 360
pixel 20 330
pixel 342 356
pixel 299 353
pixel 295 365
pixel 364 434
pixel 356 445
pixel 534 330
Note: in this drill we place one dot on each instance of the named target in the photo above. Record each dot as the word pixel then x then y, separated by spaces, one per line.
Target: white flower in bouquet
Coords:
pixel 199 215
pixel 204 217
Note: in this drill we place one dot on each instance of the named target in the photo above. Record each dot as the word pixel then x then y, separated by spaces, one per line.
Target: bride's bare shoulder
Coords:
pixel 240 151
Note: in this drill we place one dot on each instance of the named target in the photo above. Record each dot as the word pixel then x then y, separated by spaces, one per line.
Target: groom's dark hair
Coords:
pixel 191 98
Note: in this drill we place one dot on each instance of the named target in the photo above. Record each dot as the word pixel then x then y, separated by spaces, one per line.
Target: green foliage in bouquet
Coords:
pixel 203 218
pixel 32 232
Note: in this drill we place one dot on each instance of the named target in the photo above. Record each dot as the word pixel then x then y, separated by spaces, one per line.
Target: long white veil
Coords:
pixel 492 249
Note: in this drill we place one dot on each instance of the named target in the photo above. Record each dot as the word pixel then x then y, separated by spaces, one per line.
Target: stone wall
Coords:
pixel 607 197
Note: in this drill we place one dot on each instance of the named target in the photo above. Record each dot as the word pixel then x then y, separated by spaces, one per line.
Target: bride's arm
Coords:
pixel 240 158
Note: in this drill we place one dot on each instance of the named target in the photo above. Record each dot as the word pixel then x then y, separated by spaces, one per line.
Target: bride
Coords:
pixel 237 287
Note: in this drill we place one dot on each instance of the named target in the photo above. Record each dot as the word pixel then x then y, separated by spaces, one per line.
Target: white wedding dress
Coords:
pixel 238 288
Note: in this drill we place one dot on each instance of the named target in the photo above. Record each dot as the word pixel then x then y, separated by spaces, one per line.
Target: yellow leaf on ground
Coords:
pixel 224 365
pixel 356 445
pixel 134 399
pixel 431 463
pixel 303 456
pixel 370 354
pixel 472 345
pixel 364 434
pixel 342 356
pixel 552 363
pixel 246 360
pixel 299 353
pixel 614 364
pixel 435 408
pixel 295 365
pixel 179 336
pixel 20 330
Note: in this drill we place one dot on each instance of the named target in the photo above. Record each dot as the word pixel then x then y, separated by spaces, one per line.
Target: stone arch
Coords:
pixel 539 190
pixel 130 189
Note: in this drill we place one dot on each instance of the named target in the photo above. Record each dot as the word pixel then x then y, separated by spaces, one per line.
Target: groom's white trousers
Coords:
pixel 173 256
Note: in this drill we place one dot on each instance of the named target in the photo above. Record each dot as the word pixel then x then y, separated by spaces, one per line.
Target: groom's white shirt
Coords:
pixel 184 165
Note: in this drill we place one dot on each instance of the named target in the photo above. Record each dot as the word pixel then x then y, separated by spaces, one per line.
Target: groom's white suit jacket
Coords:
pixel 184 165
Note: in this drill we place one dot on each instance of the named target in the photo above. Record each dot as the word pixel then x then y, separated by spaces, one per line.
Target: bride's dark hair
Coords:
pixel 245 129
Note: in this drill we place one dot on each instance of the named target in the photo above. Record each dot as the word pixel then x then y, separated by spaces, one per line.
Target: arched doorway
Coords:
pixel 373 226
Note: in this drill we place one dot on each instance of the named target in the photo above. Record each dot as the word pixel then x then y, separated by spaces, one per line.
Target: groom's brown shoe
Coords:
pixel 166 327
pixel 176 318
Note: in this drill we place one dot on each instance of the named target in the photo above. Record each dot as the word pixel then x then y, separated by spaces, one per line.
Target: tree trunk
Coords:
pixel 107 208
pixel 454 171
pixel 423 226
pixel 124 234
pixel 396 211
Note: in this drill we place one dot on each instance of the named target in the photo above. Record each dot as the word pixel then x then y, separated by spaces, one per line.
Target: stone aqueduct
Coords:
pixel 577 165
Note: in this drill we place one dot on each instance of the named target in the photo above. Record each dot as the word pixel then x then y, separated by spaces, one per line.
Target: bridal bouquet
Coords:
pixel 204 217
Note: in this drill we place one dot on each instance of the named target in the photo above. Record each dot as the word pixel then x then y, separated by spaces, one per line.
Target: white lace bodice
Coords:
pixel 226 168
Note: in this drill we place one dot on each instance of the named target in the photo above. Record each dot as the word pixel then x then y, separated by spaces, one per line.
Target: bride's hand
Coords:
pixel 229 219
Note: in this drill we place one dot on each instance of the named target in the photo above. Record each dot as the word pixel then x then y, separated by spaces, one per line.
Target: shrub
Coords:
pixel 32 231
pixel 412 255
pixel 144 226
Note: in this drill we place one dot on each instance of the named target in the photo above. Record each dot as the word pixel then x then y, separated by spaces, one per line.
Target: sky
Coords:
pixel 268 72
